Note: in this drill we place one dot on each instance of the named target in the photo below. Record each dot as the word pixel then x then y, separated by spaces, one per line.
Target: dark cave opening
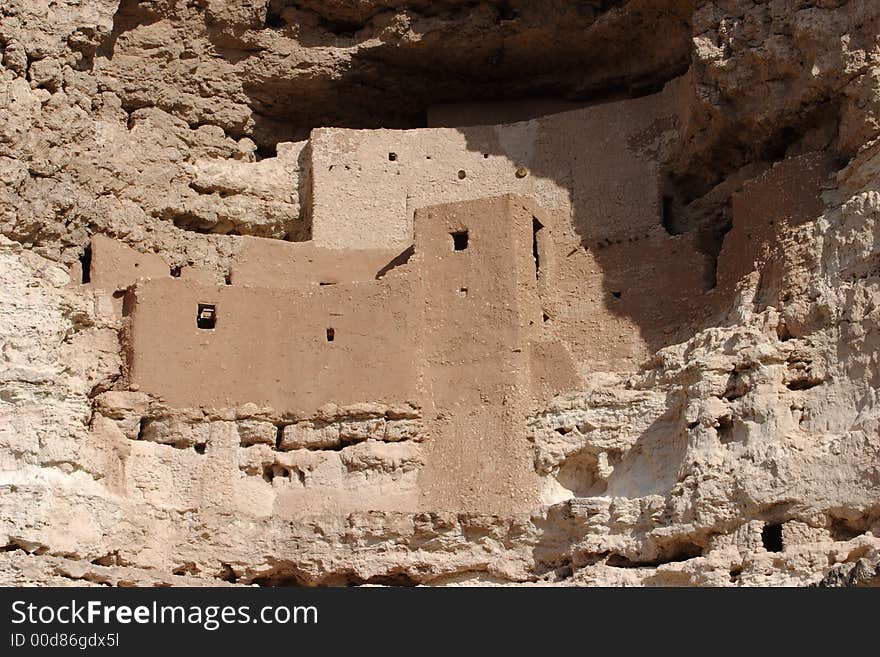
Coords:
pixel 474 52
pixel 771 537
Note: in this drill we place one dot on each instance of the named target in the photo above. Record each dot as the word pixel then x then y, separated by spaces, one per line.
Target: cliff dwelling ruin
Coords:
pixel 456 280
pixel 303 293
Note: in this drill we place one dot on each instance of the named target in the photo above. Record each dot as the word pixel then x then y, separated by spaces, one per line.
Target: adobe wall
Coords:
pixel 115 266
pixel 481 311
pixel 615 303
pixel 270 342
pixel 259 262
pixel 280 264
pixel 623 287
pixel 450 332
pixel 763 238
pixel 593 164
pixel 270 346
pixel 472 336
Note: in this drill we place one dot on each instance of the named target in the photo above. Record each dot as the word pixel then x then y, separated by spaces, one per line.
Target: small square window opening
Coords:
pixel 206 316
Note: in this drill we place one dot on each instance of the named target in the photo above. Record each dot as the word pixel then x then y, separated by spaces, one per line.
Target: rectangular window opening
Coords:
pixel 206 316
pixel 86 262
pixel 668 216
pixel 459 240
pixel 537 226
pixel 331 334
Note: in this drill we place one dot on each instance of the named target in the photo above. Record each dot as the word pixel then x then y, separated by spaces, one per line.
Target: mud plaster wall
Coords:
pixel 598 165
pixel 764 238
pixel 451 332
pixel 280 264
pixel 481 313
pixel 271 346
pixel 623 286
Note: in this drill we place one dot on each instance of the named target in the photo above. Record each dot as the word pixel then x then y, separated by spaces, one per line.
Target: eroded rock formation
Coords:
pixel 404 292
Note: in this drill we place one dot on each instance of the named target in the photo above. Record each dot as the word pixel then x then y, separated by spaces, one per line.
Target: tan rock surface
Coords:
pixel 671 378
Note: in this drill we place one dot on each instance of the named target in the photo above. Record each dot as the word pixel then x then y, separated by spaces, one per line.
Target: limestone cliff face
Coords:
pixel 714 418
